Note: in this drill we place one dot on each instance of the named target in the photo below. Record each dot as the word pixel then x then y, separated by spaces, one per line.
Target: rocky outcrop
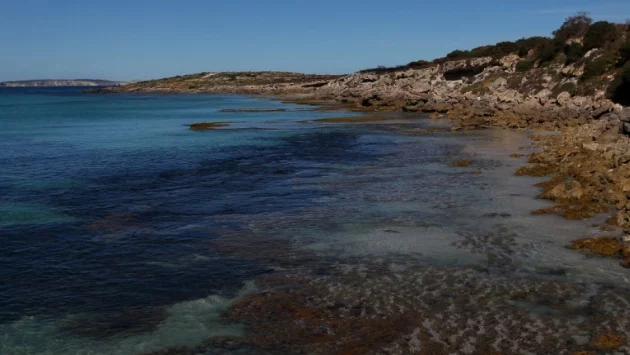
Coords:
pixel 475 92
pixel 478 92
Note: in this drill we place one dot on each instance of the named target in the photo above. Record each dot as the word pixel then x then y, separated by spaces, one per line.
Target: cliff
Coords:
pixel 60 83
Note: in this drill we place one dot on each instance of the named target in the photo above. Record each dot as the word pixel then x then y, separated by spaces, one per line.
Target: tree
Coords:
pixel 573 27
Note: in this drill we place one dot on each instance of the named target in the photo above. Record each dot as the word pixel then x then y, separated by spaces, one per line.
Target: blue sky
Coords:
pixel 134 39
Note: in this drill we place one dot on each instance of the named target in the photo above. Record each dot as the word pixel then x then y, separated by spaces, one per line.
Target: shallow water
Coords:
pixel 124 232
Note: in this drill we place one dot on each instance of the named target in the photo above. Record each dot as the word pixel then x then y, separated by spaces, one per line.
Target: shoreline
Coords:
pixel 400 306
pixel 421 243
pixel 585 139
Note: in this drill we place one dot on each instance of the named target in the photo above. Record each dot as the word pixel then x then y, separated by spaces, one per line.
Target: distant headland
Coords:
pixel 60 83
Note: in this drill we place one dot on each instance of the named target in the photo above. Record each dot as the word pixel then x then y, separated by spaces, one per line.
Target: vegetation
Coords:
pixel 624 50
pixel 573 27
pixel 574 52
pixel 525 65
pixel 599 66
pixel 599 35
pixel 569 44
pixel 620 89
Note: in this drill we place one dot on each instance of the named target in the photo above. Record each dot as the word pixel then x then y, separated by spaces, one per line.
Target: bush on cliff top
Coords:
pixel 620 88
pixel 573 27
pixel 599 35
pixel 562 48
pixel 525 45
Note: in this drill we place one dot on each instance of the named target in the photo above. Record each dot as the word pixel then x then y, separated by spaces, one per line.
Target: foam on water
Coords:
pixel 188 323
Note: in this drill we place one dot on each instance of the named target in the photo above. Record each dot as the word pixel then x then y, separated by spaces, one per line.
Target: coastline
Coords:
pixel 368 256
pixel 586 159
pixel 318 305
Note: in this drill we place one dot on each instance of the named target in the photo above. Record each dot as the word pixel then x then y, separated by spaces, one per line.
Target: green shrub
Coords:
pixel 456 54
pixel 505 48
pixel 625 73
pixel 498 50
pixel 526 44
pixel 599 66
pixel 419 64
pixel 620 88
pixel 599 35
pixel 566 87
pixel 525 65
pixel 573 27
pixel 624 51
pixel 574 52
pixel 548 51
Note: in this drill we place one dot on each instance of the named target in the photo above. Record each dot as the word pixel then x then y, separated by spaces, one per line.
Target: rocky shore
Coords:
pixel 589 152
pixel 358 306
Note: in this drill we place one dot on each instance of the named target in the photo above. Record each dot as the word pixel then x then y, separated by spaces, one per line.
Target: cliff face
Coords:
pixel 482 91
pixel 476 92
pixel 60 83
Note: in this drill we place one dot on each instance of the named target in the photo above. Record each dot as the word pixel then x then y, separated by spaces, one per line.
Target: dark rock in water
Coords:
pixel 552 271
pixel 495 214
pixel 204 126
pixel 126 323
pixel 236 110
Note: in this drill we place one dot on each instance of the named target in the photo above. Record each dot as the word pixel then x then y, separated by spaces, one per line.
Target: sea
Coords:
pixel 122 231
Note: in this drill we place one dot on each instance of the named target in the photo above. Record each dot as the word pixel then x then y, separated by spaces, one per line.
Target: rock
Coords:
pixel 509 62
pixel 563 98
pixel 591 146
pixel 499 84
pixel 590 53
pixel 607 246
pixel 608 341
pixel 204 126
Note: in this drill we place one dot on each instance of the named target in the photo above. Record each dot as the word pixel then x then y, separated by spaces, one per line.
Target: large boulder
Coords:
pixel 563 98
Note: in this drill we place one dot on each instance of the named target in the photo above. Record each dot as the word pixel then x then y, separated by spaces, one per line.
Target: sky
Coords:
pixel 144 39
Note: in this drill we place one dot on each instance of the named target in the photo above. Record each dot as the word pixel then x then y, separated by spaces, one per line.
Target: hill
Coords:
pixel 233 82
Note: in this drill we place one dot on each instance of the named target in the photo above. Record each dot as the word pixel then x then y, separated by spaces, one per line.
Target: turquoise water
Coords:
pixel 124 232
